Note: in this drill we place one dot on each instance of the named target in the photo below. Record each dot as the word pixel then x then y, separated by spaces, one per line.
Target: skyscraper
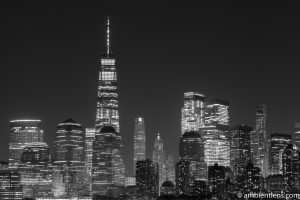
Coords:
pixel 22 132
pixel 147 180
pixel 215 133
pixel 216 179
pixel 89 139
pixel 296 136
pixel 158 157
pixel 68 159
pixel 10 187
pixel 139 151
pixel 107 113
pixel 108 166
pixel 191 148
pixel 260 138
pixel 239 152
pixel 192 112
pixel 35 170
pixel 279 143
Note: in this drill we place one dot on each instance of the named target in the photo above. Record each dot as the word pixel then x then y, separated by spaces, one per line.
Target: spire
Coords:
pixel 107 37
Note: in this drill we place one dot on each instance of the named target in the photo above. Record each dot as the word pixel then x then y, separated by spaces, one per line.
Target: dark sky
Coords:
pixel 247 53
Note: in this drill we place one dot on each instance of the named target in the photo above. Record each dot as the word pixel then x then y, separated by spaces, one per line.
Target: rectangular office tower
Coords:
pixel 259 141
pixel 139 151
pixel 215 133
pixel 22 132
pixel 192 112
pixel 296 136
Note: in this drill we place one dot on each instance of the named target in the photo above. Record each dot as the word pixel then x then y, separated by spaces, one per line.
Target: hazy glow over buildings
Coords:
pixel 22 132
pixel 192 112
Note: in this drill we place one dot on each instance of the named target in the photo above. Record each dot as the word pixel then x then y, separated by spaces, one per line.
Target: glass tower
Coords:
pixel 68 159
pixel 107 103
pixel 108 172
pixel 296 136
pixel 192 113
pixel 216 130
pixel 22 132
pixel 139 141
pixel 259 141
pixel 158 157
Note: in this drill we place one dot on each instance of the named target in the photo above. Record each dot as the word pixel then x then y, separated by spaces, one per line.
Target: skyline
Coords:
pixel 57 43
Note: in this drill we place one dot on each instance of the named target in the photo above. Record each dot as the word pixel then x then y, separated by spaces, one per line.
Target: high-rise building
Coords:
pixel 183 177
pixel 296 135
pixel 158 157
pixel 147 180
pixel 139 150
pixel 89 139
pixel 108 166
pixel 10 187
pixel 68 159
pixel 108 169
pixel 239 151
pixel 259 141
pixel 279 142
pixel 216 180
pixel 216 133
pixel 192 112
pixel 22 132
pixel 191 148
pixel 107 113
pixel 287 167
pixel 252 179
pixel 170 167
pixel 36 170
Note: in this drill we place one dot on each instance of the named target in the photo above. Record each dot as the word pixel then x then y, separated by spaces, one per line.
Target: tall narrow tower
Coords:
pixel 107 113
pixel 158 157
pixel 139 141
pixel 108 170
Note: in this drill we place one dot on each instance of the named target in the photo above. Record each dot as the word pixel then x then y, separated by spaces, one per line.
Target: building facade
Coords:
pixel 192 112
pixel 147 180
pixel 216 133
pixel 107 113
pixel 22 132
pixel 158 157
pixel 139 149
pixel 36 170
pixel 68 160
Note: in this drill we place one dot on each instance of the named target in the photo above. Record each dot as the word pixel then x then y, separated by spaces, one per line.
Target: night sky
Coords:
pixel 245 53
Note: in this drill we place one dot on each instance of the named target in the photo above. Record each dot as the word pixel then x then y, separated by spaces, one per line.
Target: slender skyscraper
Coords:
pixel 107 104
pixel 261 154
pixel 108 167
pixel 139 151
pixel 192 113
pixel 158 157
pixel 89 139
pixel 22 132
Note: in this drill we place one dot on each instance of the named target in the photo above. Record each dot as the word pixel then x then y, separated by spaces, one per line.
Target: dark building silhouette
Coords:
pixel 252 179
pixel 239 152
pixel 147 180
pixel 168 188
pixel 216 180
pixel 275 183
pixel 191 148
pixel 183 177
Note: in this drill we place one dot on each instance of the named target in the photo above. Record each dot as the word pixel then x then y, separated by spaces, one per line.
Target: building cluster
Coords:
pixel 215 160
